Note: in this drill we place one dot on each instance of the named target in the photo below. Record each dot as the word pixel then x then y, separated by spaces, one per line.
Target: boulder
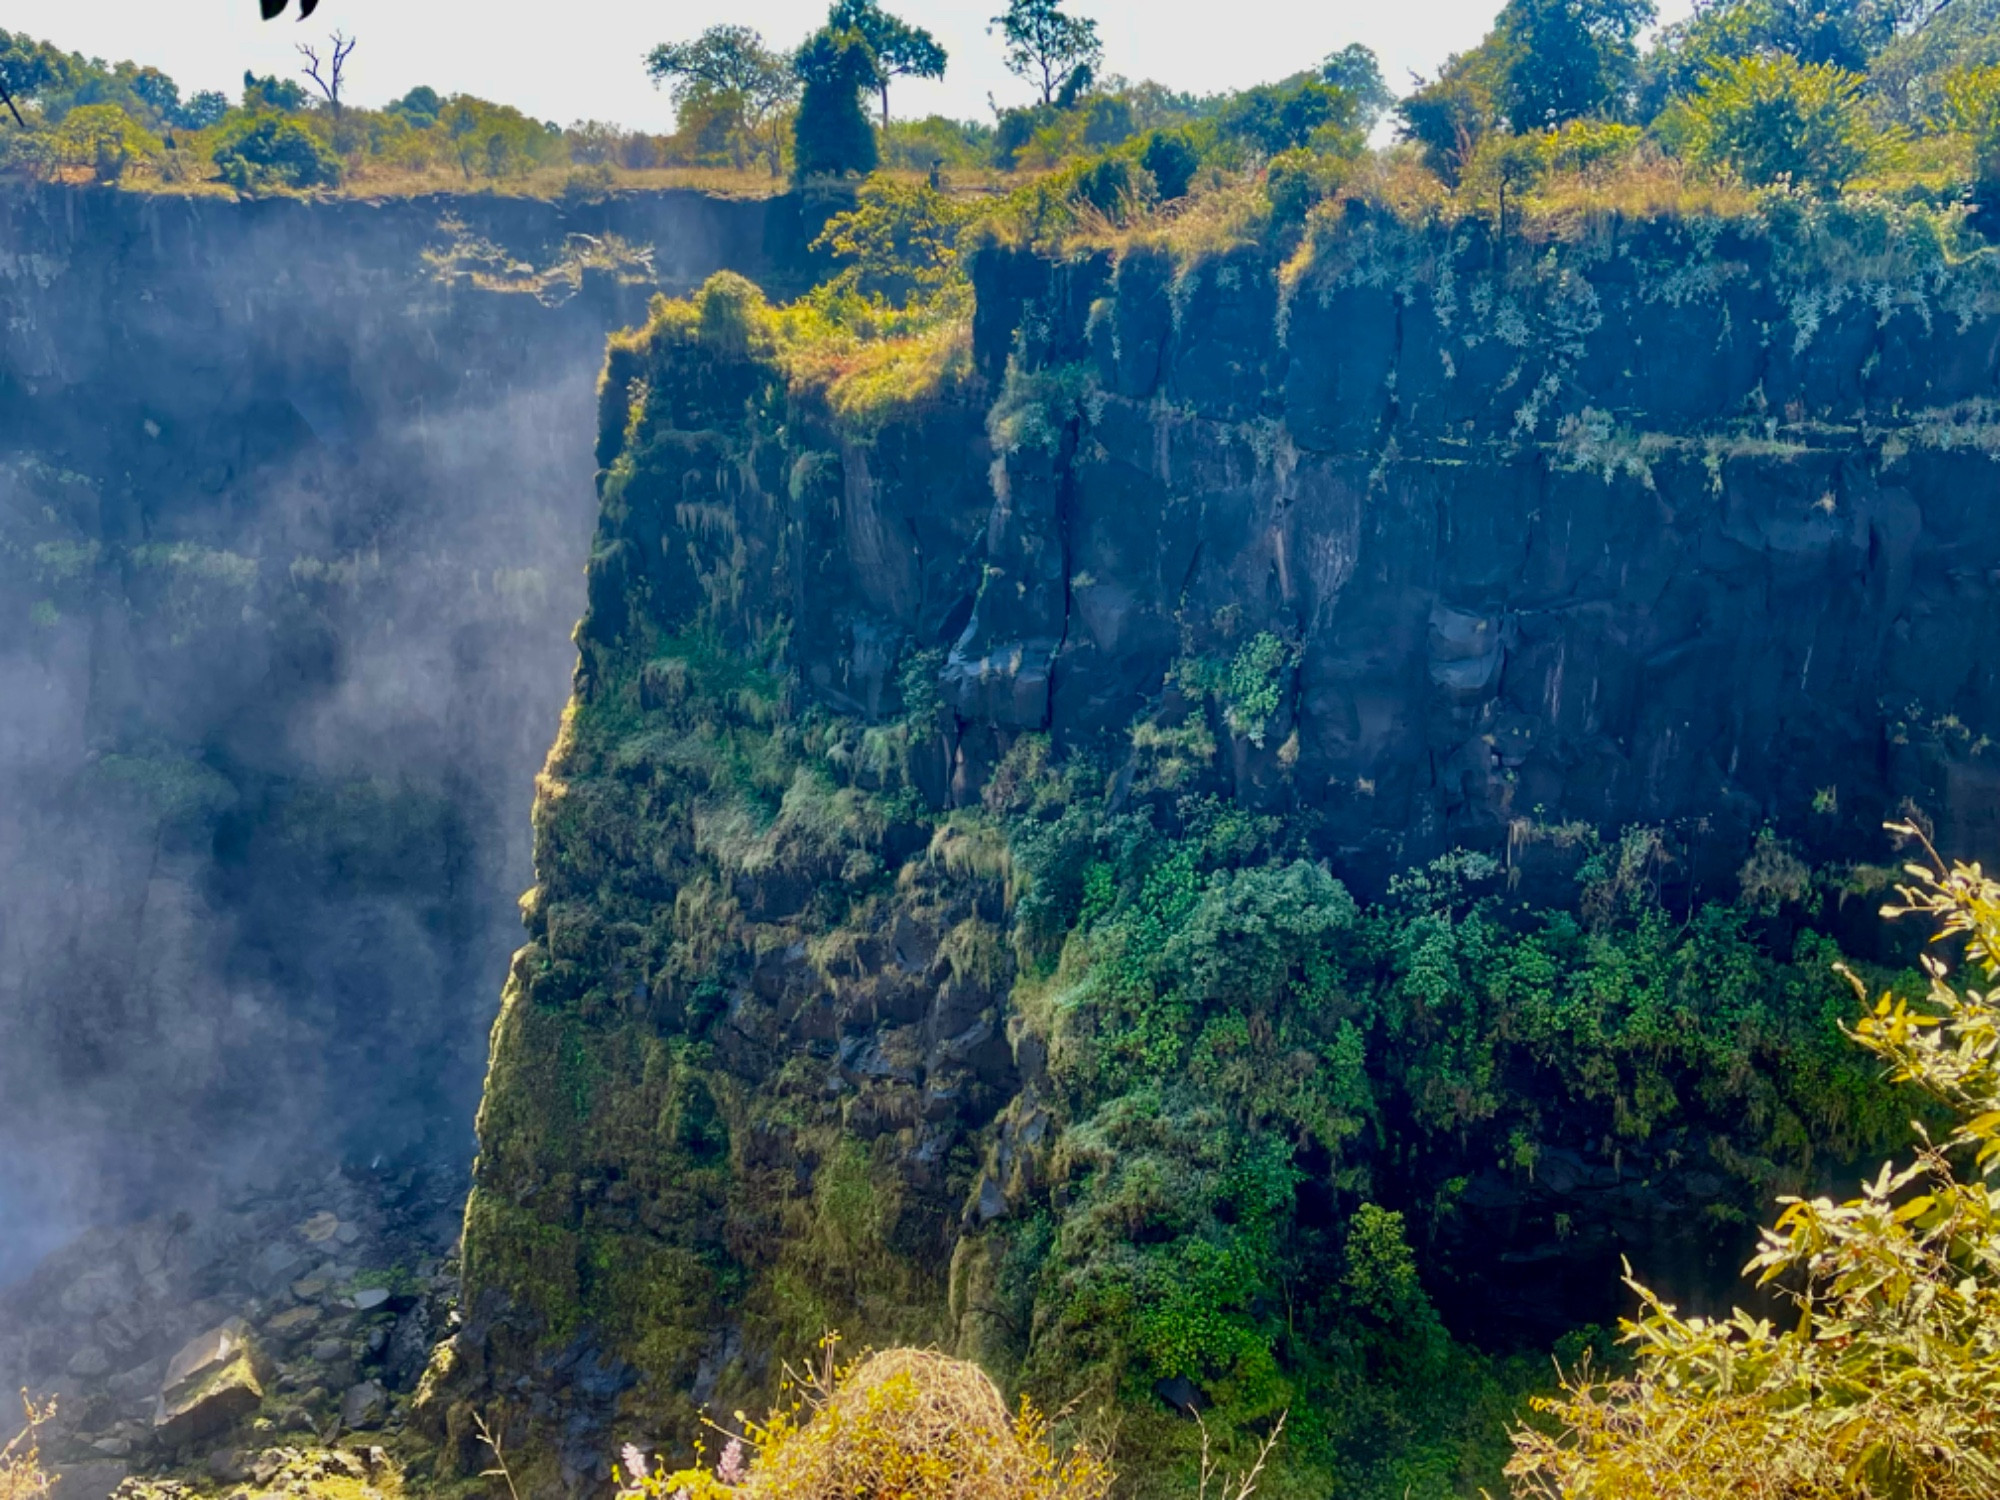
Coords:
pixel 209 1386
pixel 363 1406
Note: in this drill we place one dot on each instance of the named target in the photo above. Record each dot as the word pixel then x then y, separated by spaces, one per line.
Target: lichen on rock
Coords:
pixel 1199 868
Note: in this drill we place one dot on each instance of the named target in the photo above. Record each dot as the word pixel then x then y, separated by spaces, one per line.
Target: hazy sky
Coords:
pixel 580 59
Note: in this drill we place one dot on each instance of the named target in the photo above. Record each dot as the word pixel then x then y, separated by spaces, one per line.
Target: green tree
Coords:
pixel 1450 115
pixel 1275 118
pixel 202 110
pixel 494 140
pixel 1172 159
pixel 1357 72
pixel 1045 46
pixel 1773 118
pixel 105 139
pixel 32 70
pixel 901 50
pixel 258 152
pixel 728 69
pixel 420 106
pixel 1887 1383
pixel 272 92
pixel 1564 59
pixel 832 136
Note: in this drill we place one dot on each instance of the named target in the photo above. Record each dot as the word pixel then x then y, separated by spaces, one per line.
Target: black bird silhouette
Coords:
pixel 275 8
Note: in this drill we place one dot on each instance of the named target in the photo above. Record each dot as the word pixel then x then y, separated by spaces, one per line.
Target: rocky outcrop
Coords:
pixel 946 871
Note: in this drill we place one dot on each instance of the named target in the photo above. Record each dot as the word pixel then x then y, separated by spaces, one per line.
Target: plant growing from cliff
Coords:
pixel 1888 1383
pixel 907 1423
pixel 21 1473
pixel 899 241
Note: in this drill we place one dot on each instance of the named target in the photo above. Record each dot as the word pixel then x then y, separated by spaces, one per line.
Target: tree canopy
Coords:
pixel 833 136
pixel 728 71
pixel 901 50
pixel 1563 59
pixel 1046 46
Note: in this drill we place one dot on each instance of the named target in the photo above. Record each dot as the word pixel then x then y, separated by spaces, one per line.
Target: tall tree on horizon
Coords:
pixel 1045 47
pixel 832 136
pixel 731 61
pixel 901 50
pixel 1564 59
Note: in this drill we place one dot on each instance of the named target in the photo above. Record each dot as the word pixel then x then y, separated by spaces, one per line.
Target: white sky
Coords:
pixel 581 59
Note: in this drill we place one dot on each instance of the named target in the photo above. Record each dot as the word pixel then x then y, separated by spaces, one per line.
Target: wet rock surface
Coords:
pixel 292 517
pixel 178 1345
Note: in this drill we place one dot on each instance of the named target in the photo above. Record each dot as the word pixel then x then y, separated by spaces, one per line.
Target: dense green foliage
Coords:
pixel 833 136
pixel 1559 105
pixel 1268 1097
pixel 257 152
pixel 1888 1381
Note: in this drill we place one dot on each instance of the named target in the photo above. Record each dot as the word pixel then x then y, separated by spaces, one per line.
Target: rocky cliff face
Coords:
pixel 945 925
pixel 290 547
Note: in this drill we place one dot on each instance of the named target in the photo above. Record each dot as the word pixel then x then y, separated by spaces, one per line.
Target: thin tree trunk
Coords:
pixel 885 104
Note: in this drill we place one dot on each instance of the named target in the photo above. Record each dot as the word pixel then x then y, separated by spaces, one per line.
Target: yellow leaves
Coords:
pixel 903 1425
pixel 21 1474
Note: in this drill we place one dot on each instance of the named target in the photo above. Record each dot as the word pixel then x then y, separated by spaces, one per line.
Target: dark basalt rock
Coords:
pixel 1427 545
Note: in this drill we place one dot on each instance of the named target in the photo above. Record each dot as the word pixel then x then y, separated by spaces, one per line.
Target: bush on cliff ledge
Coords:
pixel 908 1423
pixel 1889 1382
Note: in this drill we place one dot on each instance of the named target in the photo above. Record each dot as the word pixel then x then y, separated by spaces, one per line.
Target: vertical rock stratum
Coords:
pixel 1167 837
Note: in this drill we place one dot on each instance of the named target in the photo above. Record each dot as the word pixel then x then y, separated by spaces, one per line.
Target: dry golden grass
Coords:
pixel 21 1474
pixel 909 1424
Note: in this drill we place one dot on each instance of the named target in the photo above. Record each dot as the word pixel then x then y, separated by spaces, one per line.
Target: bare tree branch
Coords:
pixel 329 84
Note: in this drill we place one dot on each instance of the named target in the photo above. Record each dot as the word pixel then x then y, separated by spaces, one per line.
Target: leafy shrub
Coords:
pixel 264 151
pixel 1774 119
pixel 1108 121
pixel 1888 1382
pixel 904 1423
pixel 1296 181
pixel 105 139
pixel 1172 160
pixel 900 238
pixel 1115 186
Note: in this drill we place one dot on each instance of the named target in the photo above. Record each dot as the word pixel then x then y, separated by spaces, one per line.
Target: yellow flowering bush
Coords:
pixel 21 1476
pixel 907 1424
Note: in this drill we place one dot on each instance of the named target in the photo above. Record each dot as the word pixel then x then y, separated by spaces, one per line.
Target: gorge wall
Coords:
pixel 1243 741
pixel 294 501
